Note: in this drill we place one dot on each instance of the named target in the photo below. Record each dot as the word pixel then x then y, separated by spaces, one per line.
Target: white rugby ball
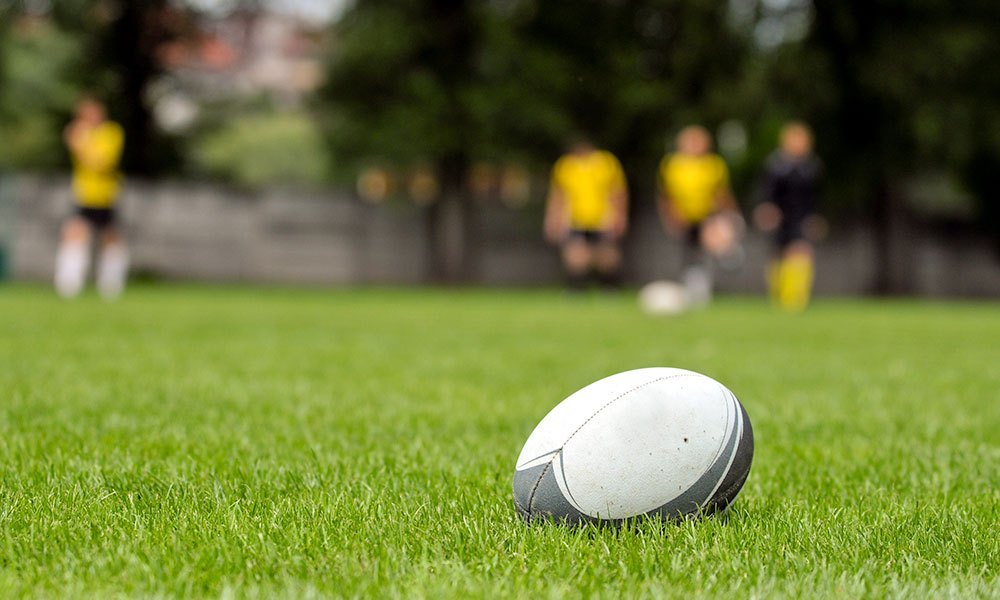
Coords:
pixel 659 441
pixel 663 298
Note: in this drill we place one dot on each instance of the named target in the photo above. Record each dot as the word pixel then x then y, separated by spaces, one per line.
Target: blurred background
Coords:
pixel 410 141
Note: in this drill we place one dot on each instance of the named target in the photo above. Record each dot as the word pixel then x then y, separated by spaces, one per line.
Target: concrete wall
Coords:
pixel 194 231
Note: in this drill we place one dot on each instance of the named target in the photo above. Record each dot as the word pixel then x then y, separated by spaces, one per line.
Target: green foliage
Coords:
pixel 893 88
pixel 36 95
pixel 197 442
pixel 896 89
pixel 532 73
pixel 263 148
pixel 118 61
pixel 396 83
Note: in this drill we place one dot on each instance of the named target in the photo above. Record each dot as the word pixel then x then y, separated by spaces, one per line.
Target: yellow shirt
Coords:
pixel 95 166
pixel 588 183
pixel 693 184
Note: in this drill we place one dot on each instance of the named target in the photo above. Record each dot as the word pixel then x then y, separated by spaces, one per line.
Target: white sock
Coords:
pixel 112 271
pixel 71 268
pixel 698 283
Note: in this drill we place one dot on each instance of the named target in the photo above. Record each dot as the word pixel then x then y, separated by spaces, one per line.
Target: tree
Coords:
pixel 37 91
pixel 121 39
pixel 452 81
pixel 895 88
pixel 396 91
pixel 626 74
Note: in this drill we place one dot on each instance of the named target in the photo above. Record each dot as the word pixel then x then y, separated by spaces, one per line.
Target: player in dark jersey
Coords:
pixel 790 191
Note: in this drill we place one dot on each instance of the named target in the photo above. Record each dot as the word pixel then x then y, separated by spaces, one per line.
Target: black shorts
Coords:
pixel 692 235
pixel 789 232
pixel 98 218
pixel 591 237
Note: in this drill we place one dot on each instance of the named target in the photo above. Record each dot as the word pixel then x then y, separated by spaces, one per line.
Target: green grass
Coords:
pixel 257 443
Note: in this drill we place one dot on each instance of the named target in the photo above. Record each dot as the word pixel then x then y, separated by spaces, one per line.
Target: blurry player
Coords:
pixel 790 188
pixel 95 146
pixel 694 191
pixel 587 213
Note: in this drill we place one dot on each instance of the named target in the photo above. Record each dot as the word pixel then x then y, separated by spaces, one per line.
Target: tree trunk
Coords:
pixel 894 239
pixel 883 241
pixel 131 47
pixel 450 226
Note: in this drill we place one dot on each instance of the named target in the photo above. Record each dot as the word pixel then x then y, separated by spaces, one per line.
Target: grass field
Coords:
pixel 241 442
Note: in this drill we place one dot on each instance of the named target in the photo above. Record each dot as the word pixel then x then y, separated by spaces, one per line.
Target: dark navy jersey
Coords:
pixel 792 184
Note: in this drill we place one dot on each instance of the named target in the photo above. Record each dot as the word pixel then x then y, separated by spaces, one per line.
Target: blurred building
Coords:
pixel 240 55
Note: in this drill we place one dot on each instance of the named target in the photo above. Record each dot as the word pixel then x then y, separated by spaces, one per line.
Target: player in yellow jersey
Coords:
pixel 95 145
pixel 694 187
pixel 587 213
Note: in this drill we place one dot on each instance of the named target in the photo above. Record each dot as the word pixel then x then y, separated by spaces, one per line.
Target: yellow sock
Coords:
pixel 795 279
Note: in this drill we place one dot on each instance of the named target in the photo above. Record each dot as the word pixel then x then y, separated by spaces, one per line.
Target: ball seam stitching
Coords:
pixel 538 482
pixel 534 489
pixel 616 399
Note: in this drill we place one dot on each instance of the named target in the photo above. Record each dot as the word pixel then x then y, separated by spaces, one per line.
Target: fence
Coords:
pixel 197 231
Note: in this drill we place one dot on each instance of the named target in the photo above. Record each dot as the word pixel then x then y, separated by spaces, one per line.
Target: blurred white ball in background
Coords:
pixel 663 298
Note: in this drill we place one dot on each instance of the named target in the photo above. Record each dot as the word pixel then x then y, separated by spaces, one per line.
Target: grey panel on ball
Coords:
pixel 537 495
pixel 690 501
pixel 524 483
pixel 737 476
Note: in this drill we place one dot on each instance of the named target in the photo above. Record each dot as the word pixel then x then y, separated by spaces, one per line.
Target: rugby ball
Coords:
pixel 661 442
pixel 663 298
